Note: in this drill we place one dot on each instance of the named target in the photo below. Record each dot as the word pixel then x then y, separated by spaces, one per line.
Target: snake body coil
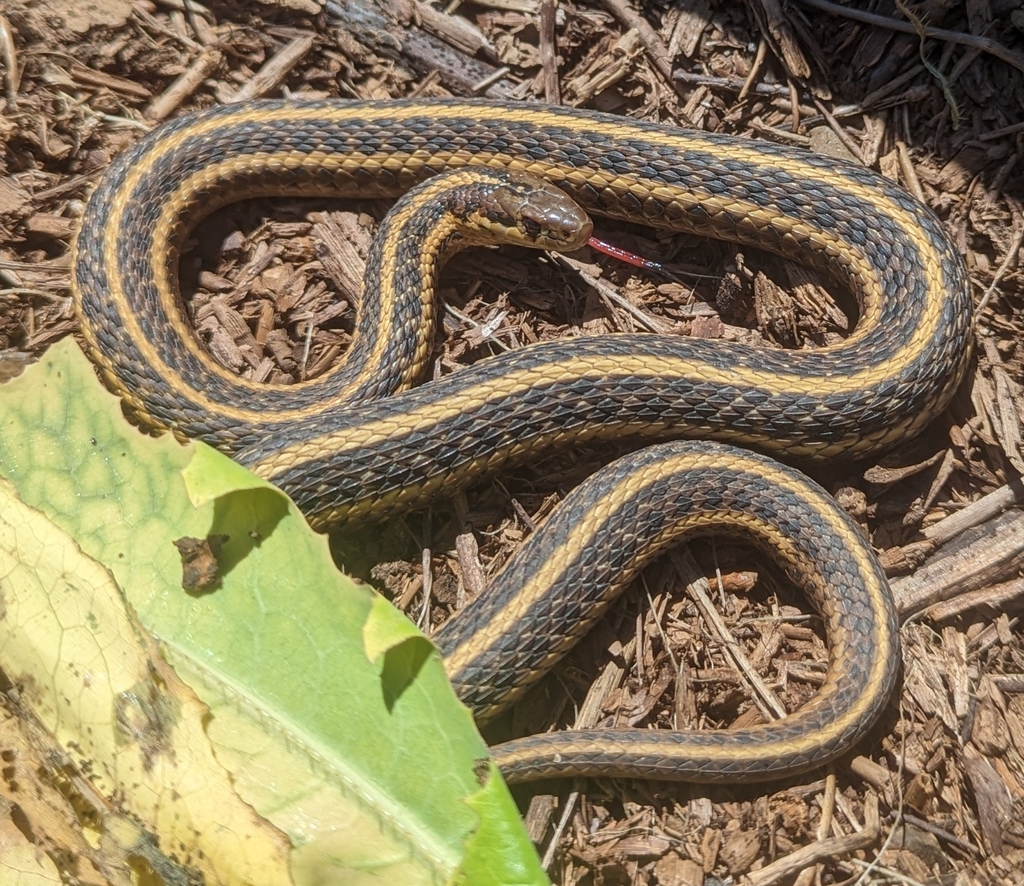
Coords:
pixel 343 462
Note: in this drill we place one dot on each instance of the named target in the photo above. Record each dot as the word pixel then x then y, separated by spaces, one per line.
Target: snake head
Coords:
pixel 533 212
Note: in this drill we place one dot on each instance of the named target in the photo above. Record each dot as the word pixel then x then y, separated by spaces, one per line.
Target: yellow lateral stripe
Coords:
pixel 751 378
pixel 516 608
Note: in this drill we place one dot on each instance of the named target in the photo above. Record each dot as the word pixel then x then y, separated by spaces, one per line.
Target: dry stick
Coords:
pixel 1012 129
pixel 610 293
pixel 489 81
pixel 886 89
pixel 426 558
pixel 650 38
pixel 824 850
pixel 1004 407
pixel 677 665
pixel 698 587
pixel 983 43
pixel 782 134
pixel 976 513
pixel 1004 266
pixel 122 85
pixel 9 54
pixel 272 74
pixel 996 598
pixel 549 52
pixel 187 83
pixel 875 862
pixel 910 179
pixel 828 806
pixel 527 7
pixel 184 5
pixel 454 30
pixel 155 25
pixel 890 873
pixel 483 330
pixel 851 145
pixel 772 22
pixel 474 580
pixel 428 82
pixel 556 837
pixel 733 83
pixel 794 105
pixel 755 69
pixel 1008 683
pixel 987 560
pixel 601 74
pixel 937 75
pixel 988 637
pixel 199 17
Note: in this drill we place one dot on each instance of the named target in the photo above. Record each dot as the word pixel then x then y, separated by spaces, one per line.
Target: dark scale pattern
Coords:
pixel 436 217
pixel 686 480
pixel 783 416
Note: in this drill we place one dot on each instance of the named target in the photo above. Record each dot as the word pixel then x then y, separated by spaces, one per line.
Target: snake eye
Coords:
pixel 530 227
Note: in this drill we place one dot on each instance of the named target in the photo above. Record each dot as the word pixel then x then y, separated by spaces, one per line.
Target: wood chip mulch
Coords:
pixel 929 93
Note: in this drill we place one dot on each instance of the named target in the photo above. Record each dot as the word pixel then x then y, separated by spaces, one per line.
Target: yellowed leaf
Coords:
pixel 97 682
pixel 21 862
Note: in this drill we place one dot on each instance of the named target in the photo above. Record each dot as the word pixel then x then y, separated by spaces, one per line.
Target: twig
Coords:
pixel 487 82
pixel 483 330
pixel 556 837
pixel 183 6
pixel 888 872
pixel 272 74
pixel 199 18
pixel 881 21
pixel 1004 266
pixel 875 862
pixel 828 805
pixel 755 69
pixel 987 560
pixel 650 38
pixel 549 52
pixel 733 83
pixel 1012 129
pixel 677 665
pixel 607 291
pixel 27 290
pixel 775 27
pixel 454 30
pixel 183 86
pixel 426 558
pixel 997 598
pixel 954 110
pixel 767 702
pixel 941 833
pixel 67 186
pixel 155 25
pixel 9 54
pixel 824 850
pixel 758 125
pixel 841 134
pixel 910 179
pixel 886 89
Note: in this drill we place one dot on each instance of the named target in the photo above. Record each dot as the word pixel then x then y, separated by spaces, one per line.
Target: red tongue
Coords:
pixel 624 255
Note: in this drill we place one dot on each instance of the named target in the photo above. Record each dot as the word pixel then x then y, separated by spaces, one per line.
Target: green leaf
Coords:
pixel 330 711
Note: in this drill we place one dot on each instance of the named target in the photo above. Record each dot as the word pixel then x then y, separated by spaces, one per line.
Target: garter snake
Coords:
pixel 343 462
